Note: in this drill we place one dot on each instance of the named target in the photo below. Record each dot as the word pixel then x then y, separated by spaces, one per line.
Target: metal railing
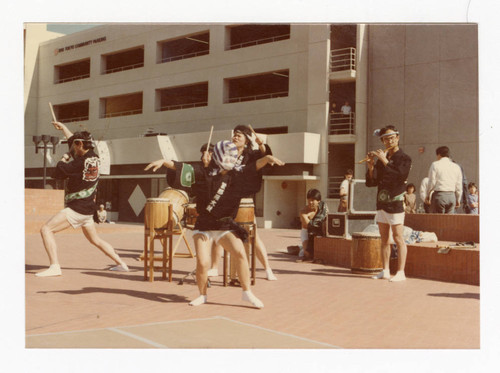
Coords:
pixel 74 119
pixel 70 79
pixel 334 186
pixel 343 59
pixel 123 113
pixel 258 97
pixel 184 106
pixel 260 41
pixel 184 56
pixel 342 124
pixel 123 68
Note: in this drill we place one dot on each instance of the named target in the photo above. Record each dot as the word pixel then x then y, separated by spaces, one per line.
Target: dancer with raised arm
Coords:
pixel 218 189
pixel 83 176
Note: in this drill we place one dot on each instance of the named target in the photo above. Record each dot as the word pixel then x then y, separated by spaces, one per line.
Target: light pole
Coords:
pixel 47 141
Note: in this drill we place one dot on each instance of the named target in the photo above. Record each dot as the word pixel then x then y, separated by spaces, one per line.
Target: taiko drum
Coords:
pixel 246 212
pixel 246 215
pixel 156 213
pixel 178 199
pixel 366 255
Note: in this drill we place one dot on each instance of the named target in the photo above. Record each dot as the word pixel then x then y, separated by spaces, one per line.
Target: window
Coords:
pixel 185 47
pixel 123 60
pixel 117 106
pixel 250 35
pixel 72 112
pixel 72 71
pixel 257 87
pixel 182 97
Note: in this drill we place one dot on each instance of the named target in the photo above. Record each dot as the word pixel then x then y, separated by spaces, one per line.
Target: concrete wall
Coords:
pixel 424 80
pixel 289 54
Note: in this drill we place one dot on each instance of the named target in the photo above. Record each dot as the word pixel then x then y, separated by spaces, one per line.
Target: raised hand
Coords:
pixel 155 165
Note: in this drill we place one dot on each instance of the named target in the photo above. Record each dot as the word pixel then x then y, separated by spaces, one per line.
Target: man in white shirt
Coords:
pixel 346 108
pixel 423 194
pixel 445 183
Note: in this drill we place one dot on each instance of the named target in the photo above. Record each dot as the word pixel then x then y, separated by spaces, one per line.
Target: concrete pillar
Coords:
pixel 360 147
pixel 317 96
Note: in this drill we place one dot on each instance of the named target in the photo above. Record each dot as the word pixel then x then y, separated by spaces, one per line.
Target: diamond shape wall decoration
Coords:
pixel 137 200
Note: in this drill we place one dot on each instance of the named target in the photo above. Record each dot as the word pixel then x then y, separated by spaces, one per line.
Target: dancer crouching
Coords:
pixel 218 190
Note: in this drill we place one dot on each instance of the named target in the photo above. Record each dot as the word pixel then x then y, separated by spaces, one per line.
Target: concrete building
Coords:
pixel 148 91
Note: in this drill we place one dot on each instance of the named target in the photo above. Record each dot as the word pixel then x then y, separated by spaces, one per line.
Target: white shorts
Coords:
pixel 388 218
pixel 77 220
pixel 213 236
pixel 303 235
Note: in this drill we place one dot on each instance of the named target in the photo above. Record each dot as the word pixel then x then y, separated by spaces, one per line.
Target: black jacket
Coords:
pixel 391 182
pixel 83 176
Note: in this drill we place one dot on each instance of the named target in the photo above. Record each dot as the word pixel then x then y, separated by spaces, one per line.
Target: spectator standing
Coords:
pixel 473 199
pixel 423 194
pixel 410 199
pixel 344 191
pixel 346 108
pixel 445 183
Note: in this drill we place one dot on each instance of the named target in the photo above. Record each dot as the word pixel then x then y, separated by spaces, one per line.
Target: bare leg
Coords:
pixel 202 246
pixel 386 250
pixel 55 224
pixel 261 252
pixel 397 232
pixel 91 234
pixel 235 247
pixel 216 251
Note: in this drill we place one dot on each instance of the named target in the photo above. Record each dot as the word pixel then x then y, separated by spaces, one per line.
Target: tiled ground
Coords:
pixel 310 306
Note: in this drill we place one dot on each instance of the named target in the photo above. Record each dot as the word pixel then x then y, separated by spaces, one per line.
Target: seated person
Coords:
pixel 312 218
pixel 102 215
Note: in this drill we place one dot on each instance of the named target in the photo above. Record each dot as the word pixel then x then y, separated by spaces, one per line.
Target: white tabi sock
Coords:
pixel 270 275
pixel 399 276
pixel 200 300
pixel 53 270
pixel 249 297
pixel 385 274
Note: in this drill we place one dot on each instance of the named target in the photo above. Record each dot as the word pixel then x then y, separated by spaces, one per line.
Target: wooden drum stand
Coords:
pixel 246 219
pixel 159 223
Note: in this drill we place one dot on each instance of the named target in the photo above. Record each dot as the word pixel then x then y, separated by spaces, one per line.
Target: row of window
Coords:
pixel 266 85
pixel 187 46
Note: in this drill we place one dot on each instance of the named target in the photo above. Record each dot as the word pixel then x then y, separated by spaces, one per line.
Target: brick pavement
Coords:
pixel 313 302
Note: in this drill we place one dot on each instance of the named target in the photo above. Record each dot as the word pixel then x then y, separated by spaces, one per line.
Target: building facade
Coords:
pixel 148 91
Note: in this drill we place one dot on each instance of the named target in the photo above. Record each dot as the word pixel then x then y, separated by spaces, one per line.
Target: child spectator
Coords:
pixel 410 199
pixel 473 199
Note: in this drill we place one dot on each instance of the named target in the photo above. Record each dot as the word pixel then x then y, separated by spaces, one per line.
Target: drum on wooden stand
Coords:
pixel 156 213
pixel 246 218
pixel 246 212
pixel 366 254
pixel 178 199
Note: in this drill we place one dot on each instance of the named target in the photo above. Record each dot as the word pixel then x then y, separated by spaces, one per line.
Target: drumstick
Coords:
pixel 385 151
pixel 52 111
pixel 255 133
pixel 210 138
